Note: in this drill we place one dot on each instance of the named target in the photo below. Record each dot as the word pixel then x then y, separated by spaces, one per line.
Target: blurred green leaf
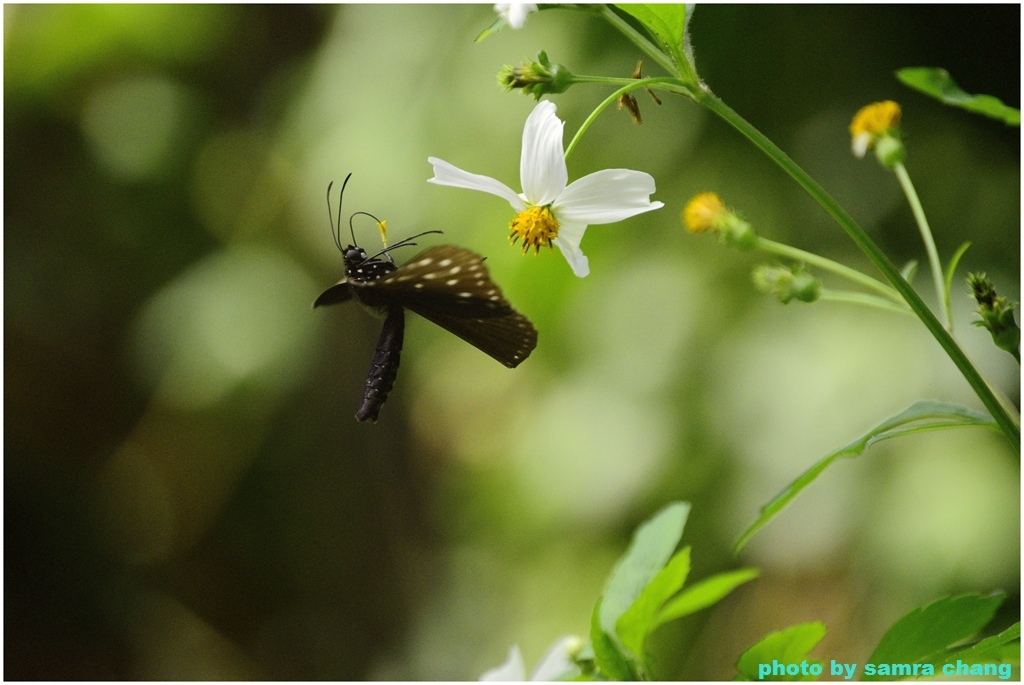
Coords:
pixel 498 24
pixel 637 622
pixel 610 660
pixel 990 649
pixel 941 86
pixel 789 646
pixel 928 630
pixel 652 546
pixel 921 416
pixel 666 23
pixel 705 593
pixel 909 270
pixel 951 269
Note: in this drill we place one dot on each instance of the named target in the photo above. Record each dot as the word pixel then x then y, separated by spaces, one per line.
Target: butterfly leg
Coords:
pixel 384 368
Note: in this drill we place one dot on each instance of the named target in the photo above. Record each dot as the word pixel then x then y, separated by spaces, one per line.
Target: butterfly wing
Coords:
pixel 339 292
pixel 451 287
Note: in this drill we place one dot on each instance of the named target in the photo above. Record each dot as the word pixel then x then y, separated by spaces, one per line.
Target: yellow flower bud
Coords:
pixel 871 123
pixel 703 212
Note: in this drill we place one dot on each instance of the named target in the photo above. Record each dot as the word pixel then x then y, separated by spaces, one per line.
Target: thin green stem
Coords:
pixel 853 297
pixel 929 242
pixel 1008 422
pixel 631 84
pixel 606 80
pixel 863 279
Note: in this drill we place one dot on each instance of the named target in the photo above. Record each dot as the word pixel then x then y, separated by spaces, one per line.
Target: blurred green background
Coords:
pixel 187 494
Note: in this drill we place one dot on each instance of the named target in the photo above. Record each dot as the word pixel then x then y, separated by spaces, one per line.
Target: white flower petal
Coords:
pixel 860 145
pixel 515 12
pixel 604 197
pixel 446 174
pixel 568 241
pixel 542 169
pixel 557 663
pixel 512 670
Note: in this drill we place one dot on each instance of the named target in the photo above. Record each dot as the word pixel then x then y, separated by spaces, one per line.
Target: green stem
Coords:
pixel 1010 425
pixel 863 279
pixel 631 84
pixel 929 242
pixel 852 297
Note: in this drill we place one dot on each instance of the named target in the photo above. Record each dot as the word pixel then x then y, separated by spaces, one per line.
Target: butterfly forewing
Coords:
pixel 451 287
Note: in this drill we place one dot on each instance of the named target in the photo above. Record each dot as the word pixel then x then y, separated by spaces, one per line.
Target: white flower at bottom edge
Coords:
pixel 515 12
pixel 549 212
pixel 557 663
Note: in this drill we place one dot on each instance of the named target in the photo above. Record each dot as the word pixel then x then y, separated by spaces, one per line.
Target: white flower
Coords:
pixel 557 663
pixel 549 212
pixel 515 12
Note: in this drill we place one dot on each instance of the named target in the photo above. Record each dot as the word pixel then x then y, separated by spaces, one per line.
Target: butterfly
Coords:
pixel 446 284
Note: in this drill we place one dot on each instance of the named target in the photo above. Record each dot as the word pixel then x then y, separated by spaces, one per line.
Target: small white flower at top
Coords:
pixel 549 212
pixel 556 664
pixel 515 12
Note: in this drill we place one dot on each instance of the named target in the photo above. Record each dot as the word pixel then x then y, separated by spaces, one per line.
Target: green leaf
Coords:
pixel 989 649
pixel 951 269
pixel 940 85
pixel 610 660
pixel 665 23
pixel 637 622
pixel 498 24
pixel 789 646
pixel 652 546
pixel 909 270
pixel 703 594
pixel 927 631
pixel 921 416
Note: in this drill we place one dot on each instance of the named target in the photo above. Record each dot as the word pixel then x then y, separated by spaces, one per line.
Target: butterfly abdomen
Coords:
pixel 384 367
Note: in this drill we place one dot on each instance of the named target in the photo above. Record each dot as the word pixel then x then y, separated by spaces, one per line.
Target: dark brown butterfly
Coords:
pixel 445 284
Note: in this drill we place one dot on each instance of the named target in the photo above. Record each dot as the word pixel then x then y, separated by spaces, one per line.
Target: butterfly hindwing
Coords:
pixel 509 339
pixel 451 287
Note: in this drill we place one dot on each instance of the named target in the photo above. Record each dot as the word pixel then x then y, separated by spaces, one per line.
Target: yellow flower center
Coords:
pixel 536 226
pixel 703 212
pixel 875 119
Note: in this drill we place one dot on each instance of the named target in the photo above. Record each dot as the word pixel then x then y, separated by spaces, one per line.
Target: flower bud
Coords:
pixel 706 211
pixel 793 283
pixel 874 124
pixel 537 77
pixel 996 314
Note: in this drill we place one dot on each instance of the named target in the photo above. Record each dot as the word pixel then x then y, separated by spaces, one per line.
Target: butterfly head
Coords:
pixel 354 255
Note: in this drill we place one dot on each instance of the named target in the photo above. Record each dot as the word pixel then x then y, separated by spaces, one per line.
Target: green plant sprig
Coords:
pixel 684 81
pixel 1010 425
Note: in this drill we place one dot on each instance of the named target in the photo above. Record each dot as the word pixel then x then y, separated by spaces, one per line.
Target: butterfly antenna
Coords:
pixel 330 216
pixel 405 242
pixel 341 196
pixel 336 225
